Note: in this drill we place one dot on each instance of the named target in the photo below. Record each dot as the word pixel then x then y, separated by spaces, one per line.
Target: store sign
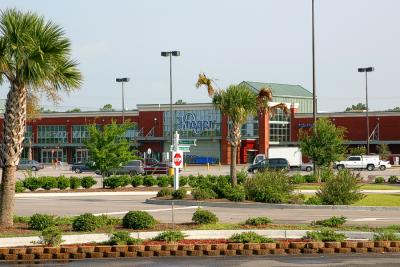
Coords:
pixel 188 121
pixel 304 125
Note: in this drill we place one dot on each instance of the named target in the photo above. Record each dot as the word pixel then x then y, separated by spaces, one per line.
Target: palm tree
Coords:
pixel 238 102
pixel 34 58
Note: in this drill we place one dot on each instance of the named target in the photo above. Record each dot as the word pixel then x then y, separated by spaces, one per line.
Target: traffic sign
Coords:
pixel 182 148
pixel 177 159
pixel 191 142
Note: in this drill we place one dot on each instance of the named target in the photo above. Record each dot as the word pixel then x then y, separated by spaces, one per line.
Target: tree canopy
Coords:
pixel 357 107
pixel 107 107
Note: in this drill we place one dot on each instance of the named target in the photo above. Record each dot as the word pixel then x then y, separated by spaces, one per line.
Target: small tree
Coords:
pixel 107 107
pixel 359 150
pixel 357 107
pixel 383 150
pixel 108 147
pixel 324 144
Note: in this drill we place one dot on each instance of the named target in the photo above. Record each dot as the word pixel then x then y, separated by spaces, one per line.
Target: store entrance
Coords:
pixel 51 155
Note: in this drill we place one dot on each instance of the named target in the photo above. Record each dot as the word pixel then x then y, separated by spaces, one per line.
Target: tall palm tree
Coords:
pixel 34 58
pixel 238 102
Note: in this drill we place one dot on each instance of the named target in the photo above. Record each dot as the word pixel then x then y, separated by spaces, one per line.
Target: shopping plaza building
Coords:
pixel 61 135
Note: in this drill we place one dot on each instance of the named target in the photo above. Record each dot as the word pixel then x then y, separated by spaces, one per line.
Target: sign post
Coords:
pixel 177 160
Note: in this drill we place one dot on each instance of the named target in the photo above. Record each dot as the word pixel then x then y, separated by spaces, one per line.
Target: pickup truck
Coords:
pixel 369 162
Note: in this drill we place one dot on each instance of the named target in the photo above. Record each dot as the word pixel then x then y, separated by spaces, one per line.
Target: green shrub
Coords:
pixel 269 187
pixel 41 221
pixel 204 217
pixel 86 222
pixel 126 180
pixel 51 237
pixel 64 220
pixel 326 173
pixel 179 194
pixel 88 182
pixel 331 222
pixel 122 238
pixel 183 180
pixel 249 237
pixel 221 187
pixel 113 181
pixel 379 180
pixel 297 178
pixel 256 221
pixel 235 193
pixel 164 192
pixel 21 219
pixel 171 180
pixel 310 178
pixel 63 182
pixel 137 180
pixel 241 176
pixel 138 220
pixel 104 220
pixel 296 198
pixel 170 236
pixel 163 181
pixel 340 189
pixel 19 187
pixel 48 182
pixel 32 183
pixel 387 235
pixel 192 180
pixel 393 179
pixel 74 182
pixel 325 235
pixel 149 181
pixel 314 200
pixel 200 194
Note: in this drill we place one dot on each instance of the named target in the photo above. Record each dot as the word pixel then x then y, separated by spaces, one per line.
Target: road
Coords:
pixel 254 261
pixel 119 205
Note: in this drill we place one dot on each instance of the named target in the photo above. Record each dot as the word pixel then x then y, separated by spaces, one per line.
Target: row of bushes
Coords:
pixel 51 182
pixel 391 180
pixel 116 181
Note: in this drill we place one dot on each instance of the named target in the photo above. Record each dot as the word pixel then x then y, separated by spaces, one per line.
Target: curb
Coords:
pixel 86 194
pixel 265 205
pixel 35 254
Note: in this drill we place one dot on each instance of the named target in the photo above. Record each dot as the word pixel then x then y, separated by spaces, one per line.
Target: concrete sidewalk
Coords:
pixel 193 234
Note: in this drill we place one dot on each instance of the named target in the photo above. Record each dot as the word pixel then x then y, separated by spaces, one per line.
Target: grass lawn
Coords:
pixel 379 200
pixel 365 187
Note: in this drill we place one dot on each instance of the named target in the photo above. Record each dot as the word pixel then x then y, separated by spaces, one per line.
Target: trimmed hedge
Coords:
pixel 138 220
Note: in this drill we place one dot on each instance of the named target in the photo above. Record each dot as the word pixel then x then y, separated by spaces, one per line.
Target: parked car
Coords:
pixel 306 167
pixel 82 167
pixel 369 162
pixel 133 167
pixel 272 164
pixel 25 164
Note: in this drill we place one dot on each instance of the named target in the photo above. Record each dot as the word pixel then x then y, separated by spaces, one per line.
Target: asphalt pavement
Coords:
pixel 118 205
pixel 353 260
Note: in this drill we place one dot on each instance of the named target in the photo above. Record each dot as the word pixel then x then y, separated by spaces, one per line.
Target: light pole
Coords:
pixel 314 91
pixel 366 70
pixel 170 54
pixel 122 81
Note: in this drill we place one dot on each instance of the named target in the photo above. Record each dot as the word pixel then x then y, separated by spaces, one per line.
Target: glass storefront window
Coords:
pixel 279 127
pixel 79 134
pixel 52 134
pixel 28 134
pixel 194 123
pixel 250 128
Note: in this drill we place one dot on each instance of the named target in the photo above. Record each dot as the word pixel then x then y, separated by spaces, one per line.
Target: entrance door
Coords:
pixel 81 155
pixel 50 155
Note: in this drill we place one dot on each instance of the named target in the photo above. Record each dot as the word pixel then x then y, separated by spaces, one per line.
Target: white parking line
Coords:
pixel 153 210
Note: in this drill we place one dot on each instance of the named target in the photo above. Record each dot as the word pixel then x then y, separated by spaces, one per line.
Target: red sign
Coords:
pixel 177 159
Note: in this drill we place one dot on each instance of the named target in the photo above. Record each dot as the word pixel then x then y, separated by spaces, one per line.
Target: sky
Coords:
pixel 230 41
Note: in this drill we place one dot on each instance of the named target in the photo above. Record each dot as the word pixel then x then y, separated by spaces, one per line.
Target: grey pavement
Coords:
pixel 353 260
pixel 119 205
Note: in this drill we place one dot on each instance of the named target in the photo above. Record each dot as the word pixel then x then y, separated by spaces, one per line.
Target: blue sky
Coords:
pixel 229 40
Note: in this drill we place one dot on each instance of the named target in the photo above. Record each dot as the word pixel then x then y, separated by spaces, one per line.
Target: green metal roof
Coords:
pixel 280 89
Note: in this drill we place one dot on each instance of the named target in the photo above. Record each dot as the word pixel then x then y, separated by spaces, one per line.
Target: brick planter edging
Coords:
pixel 30 254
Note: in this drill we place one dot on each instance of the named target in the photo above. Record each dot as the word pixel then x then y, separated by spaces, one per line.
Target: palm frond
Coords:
pixel 263 98
pixel 281 106
pixel 204 80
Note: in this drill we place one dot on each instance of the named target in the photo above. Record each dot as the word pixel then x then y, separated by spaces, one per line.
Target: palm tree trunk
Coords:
pixel 11 148
pixel 233 165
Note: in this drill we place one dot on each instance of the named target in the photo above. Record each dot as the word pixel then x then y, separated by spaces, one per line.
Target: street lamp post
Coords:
pixel 122 81
pixel 366 70
pixel 170 54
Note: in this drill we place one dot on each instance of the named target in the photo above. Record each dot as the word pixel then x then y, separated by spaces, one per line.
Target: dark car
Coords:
pixel 133 167
pixel 83 167
pixel 272 164
pixel 25 164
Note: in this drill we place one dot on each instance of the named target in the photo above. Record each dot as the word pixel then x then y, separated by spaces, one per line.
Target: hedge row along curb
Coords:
pixel 259 205
pixel 176 249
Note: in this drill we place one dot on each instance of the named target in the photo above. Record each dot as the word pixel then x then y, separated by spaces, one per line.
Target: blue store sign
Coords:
pixel 189 121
